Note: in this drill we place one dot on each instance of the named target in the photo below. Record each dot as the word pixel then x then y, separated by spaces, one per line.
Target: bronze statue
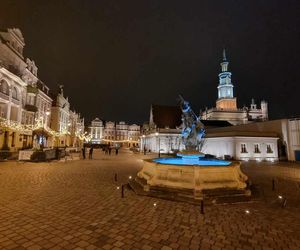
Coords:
pixel 193 130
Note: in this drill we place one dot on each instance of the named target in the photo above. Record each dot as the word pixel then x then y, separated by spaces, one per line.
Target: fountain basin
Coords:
pixel 192 161
pixel 206 175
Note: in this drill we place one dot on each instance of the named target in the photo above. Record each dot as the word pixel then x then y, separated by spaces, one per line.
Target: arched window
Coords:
pixel 4 87
pixel 14 93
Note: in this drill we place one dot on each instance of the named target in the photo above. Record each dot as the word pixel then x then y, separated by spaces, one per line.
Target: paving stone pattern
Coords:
pixel 76 205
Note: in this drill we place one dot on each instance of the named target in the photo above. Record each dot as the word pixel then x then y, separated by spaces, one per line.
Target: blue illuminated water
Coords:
pixel 192 161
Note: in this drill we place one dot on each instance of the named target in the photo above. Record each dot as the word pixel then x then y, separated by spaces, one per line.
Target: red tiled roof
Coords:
pixel 166 116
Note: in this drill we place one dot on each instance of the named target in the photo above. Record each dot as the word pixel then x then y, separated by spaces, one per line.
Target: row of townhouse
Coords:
pixel 29 116
pixel 114 133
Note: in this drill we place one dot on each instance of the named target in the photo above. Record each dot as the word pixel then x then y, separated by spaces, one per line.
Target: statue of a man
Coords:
pixel 193 129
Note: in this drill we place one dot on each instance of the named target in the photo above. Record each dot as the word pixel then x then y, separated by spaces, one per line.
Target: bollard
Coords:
pixel 122 194
pixel 284 203
pixel 116 177
pixel 202 207
pixel 273 184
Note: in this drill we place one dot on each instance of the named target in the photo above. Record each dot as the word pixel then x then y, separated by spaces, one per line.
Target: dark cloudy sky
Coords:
pixel 115 58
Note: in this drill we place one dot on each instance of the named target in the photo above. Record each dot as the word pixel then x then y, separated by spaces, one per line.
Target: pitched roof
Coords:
pixel 215 123
pixel 166 116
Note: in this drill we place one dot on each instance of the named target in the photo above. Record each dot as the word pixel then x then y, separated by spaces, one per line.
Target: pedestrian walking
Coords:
pixel 91 152
pixel 83 152
pixel 117 151
pixel 109 150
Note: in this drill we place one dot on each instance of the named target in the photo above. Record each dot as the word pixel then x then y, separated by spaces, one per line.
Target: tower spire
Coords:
pixel 224 55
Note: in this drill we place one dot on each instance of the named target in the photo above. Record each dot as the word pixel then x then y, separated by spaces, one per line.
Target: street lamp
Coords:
pixel 143 146
pixel 157 136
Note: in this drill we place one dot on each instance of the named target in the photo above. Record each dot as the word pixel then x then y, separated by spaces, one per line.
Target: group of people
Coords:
pixel 107 150
pixel 91 150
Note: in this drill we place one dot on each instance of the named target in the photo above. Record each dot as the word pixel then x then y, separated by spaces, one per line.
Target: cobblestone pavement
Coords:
pixel 76 205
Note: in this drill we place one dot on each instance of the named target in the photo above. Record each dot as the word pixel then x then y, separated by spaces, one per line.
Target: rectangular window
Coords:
pixel 269 149
pixel 243 148
pixel 256 149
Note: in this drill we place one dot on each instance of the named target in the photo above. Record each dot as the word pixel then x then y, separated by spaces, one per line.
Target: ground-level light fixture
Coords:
pixel 247 211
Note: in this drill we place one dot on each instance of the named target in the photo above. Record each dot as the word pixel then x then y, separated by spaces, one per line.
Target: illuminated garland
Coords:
pixel 116 141
pixel 7 124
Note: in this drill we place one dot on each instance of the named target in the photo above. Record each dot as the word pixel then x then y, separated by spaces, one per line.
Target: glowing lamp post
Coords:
pixel 143 144
pixel 157 136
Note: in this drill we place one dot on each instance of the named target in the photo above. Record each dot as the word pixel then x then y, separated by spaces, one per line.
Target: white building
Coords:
pixel 96 131
pixel 60 112
pixel 242 146
pixel 226 105
pixel 109 132
pixel 121 133
pixel 24 100
pixel 222 140
pixel 118 133
pixel 68 124
pixel 134 132
pixel 76 129
pixel 286 130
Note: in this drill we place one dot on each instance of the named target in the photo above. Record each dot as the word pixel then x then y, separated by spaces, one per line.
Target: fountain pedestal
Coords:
pixel 197 180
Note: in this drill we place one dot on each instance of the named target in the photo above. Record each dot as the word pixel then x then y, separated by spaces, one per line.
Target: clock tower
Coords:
pixel 225 100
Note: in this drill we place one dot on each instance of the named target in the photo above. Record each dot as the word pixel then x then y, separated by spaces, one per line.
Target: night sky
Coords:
pixel 115 58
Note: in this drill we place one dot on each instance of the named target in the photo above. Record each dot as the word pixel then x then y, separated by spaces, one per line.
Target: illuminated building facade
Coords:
pixel 96 131
pixel 114 133
pixel 226 105
pixel 134 132
pixel 76 129
pixel 68 124
pixel 223 140
pixel 24 100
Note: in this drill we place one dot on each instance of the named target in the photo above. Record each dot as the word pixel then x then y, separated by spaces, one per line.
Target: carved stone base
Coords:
pixel 197 181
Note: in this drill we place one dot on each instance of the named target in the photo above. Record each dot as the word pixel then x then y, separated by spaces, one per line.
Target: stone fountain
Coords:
pixel 191 175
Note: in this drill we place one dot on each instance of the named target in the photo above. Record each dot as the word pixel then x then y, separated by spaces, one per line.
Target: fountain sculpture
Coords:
pixel 191 174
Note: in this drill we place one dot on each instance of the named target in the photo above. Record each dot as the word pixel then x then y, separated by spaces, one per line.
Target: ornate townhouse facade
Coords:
pixel 114 133
pixel 25 101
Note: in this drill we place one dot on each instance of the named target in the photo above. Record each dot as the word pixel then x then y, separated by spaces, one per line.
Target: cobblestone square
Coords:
pixel 77 205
